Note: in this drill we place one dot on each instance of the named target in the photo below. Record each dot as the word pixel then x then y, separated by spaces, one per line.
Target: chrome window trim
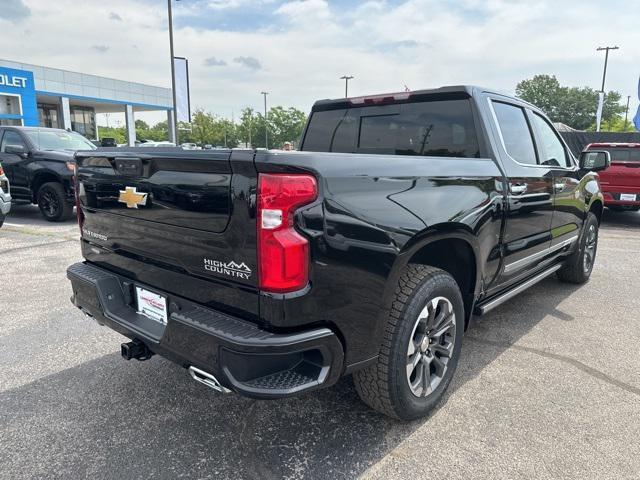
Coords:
pixel 513 266
pixel 504 146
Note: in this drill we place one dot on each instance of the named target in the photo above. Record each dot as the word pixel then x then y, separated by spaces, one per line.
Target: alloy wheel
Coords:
pixel 431 346
pixel 49 203
pixel 590 248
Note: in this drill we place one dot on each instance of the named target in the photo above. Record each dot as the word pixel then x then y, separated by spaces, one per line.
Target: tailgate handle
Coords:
pixel 130 167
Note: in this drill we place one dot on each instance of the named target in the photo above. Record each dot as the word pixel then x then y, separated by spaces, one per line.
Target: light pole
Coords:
pixel 346 79
pixel 266 125
pixel 604 77
pixel 173 72
pixel 626 112
pixel 606 59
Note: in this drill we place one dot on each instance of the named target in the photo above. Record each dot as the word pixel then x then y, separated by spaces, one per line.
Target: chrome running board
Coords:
pixel 491 304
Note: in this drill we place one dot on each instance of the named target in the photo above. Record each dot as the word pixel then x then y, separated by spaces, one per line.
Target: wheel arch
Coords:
pixel 597 208
pixel 39 179
pixel 452 248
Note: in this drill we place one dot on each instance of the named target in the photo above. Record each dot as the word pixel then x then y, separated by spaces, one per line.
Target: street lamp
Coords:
pixel 626 112
pixel 346 79
pixel 604 76
pixel 266 125
pixel 173 72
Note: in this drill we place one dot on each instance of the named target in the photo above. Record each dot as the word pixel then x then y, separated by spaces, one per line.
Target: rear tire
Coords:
pixel 579 265
pixel 2 217
pixel 420 348
pixel 53 203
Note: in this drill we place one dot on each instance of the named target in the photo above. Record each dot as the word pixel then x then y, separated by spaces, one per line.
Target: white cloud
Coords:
pixel 306 46
pixel 229 4
pixel 305 10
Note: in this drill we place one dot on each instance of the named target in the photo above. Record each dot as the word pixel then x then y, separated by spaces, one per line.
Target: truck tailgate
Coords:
pixel 183 221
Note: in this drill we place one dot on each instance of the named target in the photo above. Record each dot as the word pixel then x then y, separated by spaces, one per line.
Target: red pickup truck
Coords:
pixel 620 183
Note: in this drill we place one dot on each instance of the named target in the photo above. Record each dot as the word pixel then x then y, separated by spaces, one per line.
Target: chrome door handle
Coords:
pixel 517 189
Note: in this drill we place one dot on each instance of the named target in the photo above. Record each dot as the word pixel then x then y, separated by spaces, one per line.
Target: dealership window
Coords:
pixel 10 105
pixel 48 115
pixel 83 121
pixel 10 122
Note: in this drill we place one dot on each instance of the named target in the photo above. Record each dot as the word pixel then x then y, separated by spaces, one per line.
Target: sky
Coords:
pixel 297 50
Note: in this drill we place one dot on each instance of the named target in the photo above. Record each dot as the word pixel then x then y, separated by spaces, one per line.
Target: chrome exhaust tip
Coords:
pixel 207 379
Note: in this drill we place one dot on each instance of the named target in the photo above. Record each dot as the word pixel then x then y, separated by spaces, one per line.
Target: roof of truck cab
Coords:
pixel 460 91
pixel 613 145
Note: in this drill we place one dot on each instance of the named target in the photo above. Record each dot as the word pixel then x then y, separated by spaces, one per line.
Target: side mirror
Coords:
pixel 16 150
pixel 595 160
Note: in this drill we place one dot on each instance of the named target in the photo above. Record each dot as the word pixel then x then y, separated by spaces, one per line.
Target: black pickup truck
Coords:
pixel 39 163
pixel 271 273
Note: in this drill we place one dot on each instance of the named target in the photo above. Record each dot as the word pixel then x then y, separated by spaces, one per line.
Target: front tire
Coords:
pixel 579 265
pixel 420 348
pixel 53 203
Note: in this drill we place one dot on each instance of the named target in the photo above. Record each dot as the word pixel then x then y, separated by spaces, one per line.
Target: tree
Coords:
pixel 203 127
pixel 284 125
pixel 117 133
pixel 572 106
pixel 617 124
pixel 142 125
pixel 247 127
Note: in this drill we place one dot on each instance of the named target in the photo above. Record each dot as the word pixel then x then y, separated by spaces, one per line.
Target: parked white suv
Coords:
pixel 5 198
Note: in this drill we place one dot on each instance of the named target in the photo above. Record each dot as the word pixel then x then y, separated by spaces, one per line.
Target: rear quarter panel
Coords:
pixel 373 213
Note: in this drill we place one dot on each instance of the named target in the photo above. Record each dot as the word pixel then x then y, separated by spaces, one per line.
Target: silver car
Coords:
pixel 5 198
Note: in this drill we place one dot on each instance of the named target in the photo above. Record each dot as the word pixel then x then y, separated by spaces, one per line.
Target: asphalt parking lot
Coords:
pixel 548 387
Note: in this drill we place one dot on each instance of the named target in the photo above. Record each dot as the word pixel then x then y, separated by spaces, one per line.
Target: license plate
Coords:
pixel 628 197
pixel 152 305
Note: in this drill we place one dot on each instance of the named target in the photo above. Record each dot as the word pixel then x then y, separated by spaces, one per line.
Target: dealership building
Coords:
pixel 33 95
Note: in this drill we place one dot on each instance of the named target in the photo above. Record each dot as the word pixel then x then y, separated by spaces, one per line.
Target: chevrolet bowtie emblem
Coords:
pixel 132 198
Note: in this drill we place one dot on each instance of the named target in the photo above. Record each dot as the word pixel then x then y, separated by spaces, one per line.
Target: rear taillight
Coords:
pixel 283 254
pixel 79 212
pixel 1 170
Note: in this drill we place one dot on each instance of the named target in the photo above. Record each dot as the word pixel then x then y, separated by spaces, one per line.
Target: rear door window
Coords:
pixel 516 133
pixel 442 128
pixel 551 148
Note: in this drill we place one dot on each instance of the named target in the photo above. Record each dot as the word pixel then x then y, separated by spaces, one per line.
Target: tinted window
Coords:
pixel 623 155
pixel 11 138
pixel 437 128
pixel 322 129
pixel 515 133
pixel 551 149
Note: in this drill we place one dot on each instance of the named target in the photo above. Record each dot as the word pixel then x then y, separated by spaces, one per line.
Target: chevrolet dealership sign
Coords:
pixel 18 83
pixel 12 81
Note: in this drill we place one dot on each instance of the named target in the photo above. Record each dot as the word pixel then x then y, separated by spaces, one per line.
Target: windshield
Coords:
pixel 59 140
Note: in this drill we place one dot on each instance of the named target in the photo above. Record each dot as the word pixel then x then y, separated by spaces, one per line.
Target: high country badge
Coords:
pixel 231 269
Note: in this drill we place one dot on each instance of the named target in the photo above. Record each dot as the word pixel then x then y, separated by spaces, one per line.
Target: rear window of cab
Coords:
pixel 441 128
pixel 621 154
